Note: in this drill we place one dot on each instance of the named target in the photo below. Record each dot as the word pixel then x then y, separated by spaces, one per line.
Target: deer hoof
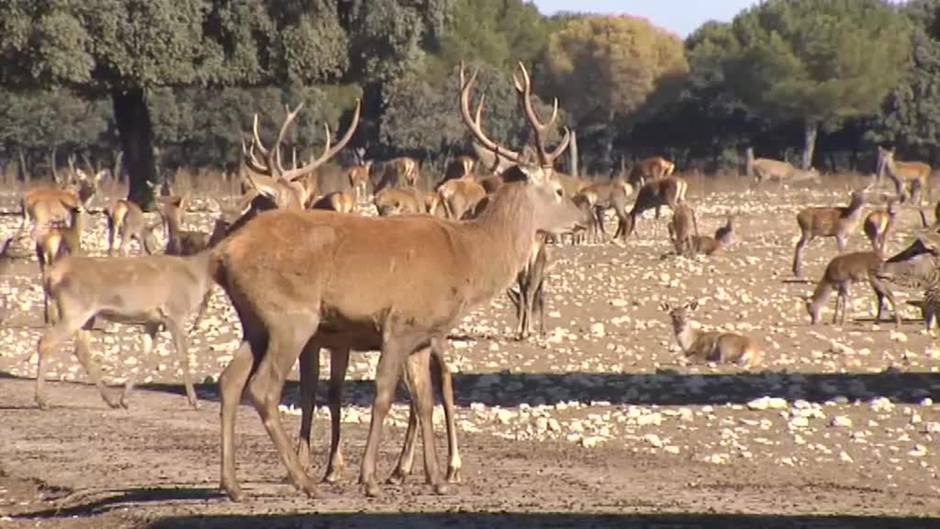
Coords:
pixel 332 476
pixel 441 489
pixel 42 403
pixel 372 489
pixel 453 475
pixel 397 477
pixel 234 492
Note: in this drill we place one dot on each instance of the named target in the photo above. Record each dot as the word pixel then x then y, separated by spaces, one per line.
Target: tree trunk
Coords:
pixel 812 128
pixel 748 162
pixel 136 132
pixel 116 169
pixel 573 153
pixel 24 169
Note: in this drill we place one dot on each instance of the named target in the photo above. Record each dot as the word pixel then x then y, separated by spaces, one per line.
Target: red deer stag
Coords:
pixel 389 283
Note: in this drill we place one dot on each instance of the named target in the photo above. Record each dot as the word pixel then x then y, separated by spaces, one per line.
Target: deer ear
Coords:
pixel 81 174
pixel 100 174
pixel 664 306
pixel 692 304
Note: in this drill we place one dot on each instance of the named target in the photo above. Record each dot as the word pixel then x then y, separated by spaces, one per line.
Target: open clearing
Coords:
pixel 597 424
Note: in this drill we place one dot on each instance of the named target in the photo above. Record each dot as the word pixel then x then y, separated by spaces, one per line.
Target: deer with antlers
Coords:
pixel 390 283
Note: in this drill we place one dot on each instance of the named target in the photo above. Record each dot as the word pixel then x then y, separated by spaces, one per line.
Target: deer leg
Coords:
pixel 840 242
pixel 50 340
pixel 406 458
pixel 882 291
pixel 180 343
pixel 231 385
pixel 309 379
pixel 286 339
pixel 83 352
pixel 418 371
pixel 843 297
pixel 798 254
pixel 339 363
pixel 150 334
pixel 394 351
pixel 111 230
pixel 438 346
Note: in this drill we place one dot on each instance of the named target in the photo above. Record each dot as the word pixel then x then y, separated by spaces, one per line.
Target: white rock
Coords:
pixel 840 421
pixel 654 440
pixel 768 403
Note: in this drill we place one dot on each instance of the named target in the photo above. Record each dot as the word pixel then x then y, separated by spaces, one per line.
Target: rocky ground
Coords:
pixel 598 423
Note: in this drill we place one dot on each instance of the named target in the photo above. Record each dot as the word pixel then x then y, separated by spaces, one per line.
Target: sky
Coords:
pixel 679 16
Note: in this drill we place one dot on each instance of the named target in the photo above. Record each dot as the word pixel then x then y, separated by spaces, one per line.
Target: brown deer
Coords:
pixel 903 175
pixel 711 346
pixel 666 191
pixel 127 221
pixel 180 241
pixel 841 272
pixel 683 228
pixel 607 195
pixel 358 176
pixel 399 172
pixel 770 170
pixel 338 201
pixel 650 169
pixel 460 195
pixel 287 188
pixel 529 295
pixel 51 204
pixel 878 224
pixel 150 291
pixel 838 222
pixel 55 242
pixel 389 283
pixel 400 201
pixel 704 244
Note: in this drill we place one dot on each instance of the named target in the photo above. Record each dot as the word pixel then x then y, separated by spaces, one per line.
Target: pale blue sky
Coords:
pixel 679 16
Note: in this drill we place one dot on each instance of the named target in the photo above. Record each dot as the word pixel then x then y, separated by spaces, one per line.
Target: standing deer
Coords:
pixel 878 224
pixel 683 228
pixel 903 175
pixel 711 346
pixel 125 219
pixel 529 297
pixel 393 283
pixel 53 243
pixel 339 201
pixel 51 204
pixel 458 196
pixel 841 272
pixel 838 222
pixel 650 169
pixel 666 191
pixel 358 176
pixel 604 196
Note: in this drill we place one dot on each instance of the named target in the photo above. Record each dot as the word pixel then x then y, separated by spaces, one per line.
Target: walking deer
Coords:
pixel 711 346
pixel 838 222
pixel 903 175
pixel 841 272
pixel 390 283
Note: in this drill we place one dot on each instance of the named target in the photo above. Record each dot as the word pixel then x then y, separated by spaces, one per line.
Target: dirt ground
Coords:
pixel 598 423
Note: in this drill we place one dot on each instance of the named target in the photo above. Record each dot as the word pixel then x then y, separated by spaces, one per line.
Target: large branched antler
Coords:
pixel 474 121
pixel 523 87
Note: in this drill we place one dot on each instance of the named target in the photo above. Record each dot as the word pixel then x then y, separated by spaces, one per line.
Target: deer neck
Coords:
pixel 500 240
pixel 685 335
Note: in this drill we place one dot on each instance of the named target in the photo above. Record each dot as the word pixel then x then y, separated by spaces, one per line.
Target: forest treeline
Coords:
pixel 175 83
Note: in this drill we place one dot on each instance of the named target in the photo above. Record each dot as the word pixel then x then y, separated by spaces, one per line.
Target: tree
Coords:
pixel 817 61
pixel 607 69
pixel 125 48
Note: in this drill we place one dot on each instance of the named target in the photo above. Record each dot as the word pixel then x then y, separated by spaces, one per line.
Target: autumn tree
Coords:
pixel 818 61
pixel 608 70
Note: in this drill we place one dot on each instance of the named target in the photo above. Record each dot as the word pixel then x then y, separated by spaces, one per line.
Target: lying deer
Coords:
pixel 389 283
pixel 878 224
pixel 150 291
pixel 838 222
pixel 704 244
pixel 711 346
pixel 841 272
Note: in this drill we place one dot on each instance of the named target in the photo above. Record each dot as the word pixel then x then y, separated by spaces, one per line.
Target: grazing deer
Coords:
pixel 389 283
pixel 287 188
pixel 770 170
pixel 838 222
pixel 711 346
pixel 706 245
pixel 903 175
pixel 840 273
pixel 338 201
pixel 878 224
pixel 650 169
pixel 150 291
pixel 666 191
pixel 683 228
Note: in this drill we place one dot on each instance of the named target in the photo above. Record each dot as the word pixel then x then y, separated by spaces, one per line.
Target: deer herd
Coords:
pixel 304 272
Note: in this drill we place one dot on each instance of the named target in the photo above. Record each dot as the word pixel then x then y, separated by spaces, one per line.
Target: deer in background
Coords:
pixel 724 235
pixel 683 228
pixel 879 223
pixel 358 175
pixel 841 272
pixel 650 169
pixel 711 346
pixel 127 221
pixel 54 243
pixel 47 205
pixel 529 296
pixel 343 270
pixel 838 222
pixel 903 175
pixel 770 170
pixel 604 196
pixel 666 191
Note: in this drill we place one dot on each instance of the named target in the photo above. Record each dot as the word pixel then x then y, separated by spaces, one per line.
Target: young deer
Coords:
pixel 707 245
pixel 711 346
pixel 878 224
pixel 389 283
pixel 841 272
pixel 683 228
pixel 838 222
pixel 150 291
